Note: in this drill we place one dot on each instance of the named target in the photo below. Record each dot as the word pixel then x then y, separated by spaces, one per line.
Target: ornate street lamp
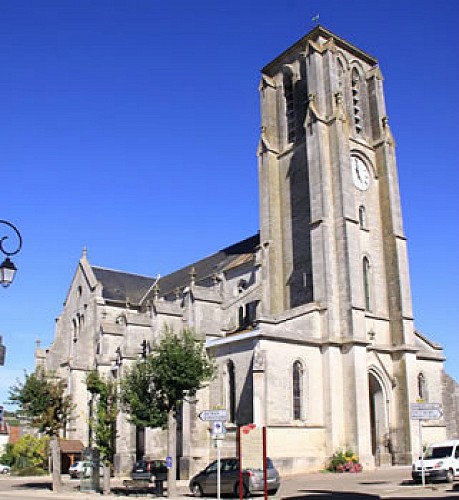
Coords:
pixel 7 267
pixel 2 351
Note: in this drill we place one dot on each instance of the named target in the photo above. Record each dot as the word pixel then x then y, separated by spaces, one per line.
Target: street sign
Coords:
pixel 213 415
pixel 169 462
pixel 426 411
pixel 218 429
pixel 426 414
pixel 425 406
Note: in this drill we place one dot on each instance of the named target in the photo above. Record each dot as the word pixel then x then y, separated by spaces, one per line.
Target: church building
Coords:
pixel 310 321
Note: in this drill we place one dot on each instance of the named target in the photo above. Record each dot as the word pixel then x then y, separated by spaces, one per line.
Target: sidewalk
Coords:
pixel 383 483
pixel 391 483
pixel 40 487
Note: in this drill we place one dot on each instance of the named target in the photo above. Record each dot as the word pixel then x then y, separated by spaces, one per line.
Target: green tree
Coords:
pixel 7 458
pixel 29 451
pixel 42 398
pixel 104 425
pixel 154 388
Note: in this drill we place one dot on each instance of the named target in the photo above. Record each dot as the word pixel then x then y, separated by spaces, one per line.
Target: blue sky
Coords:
pixel 131 126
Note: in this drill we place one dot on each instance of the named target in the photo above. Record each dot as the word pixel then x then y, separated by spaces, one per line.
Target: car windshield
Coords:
pixel 212 467
pixel 439 452
pixel 233 463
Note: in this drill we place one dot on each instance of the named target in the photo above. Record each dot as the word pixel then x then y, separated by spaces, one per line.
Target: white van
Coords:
pixel 441 462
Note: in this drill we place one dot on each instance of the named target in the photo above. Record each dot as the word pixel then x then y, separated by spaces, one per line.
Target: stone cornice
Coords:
pixel 292 313
pixel 406 349
pixel 342 343
pixel 253 291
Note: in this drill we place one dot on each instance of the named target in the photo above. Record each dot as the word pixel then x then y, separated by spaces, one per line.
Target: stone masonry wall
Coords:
pixel 451 406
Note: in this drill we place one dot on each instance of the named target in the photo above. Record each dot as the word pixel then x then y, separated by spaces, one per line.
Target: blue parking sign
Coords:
pixel 168 462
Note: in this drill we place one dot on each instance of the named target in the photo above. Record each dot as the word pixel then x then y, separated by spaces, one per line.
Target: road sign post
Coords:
pixel 424 411
pixel 217 417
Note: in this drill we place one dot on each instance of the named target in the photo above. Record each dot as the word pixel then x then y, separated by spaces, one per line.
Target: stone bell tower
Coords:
pixel 331 223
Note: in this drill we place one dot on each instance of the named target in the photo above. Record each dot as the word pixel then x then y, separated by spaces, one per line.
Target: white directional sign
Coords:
pixel 426 411
pixel 213 415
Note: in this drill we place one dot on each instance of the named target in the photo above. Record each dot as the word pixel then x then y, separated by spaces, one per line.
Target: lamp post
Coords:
pixel 7 267
pixel 2 351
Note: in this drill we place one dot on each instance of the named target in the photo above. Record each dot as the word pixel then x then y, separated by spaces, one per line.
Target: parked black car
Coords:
pixel 150 470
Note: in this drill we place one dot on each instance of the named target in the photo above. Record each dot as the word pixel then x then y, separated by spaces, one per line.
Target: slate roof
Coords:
pixel 230 257
pixel 120 286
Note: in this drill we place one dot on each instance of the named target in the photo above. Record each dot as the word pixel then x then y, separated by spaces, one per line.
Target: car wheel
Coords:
pixel 273 491
pixel 197 490
pixel 449 476
pixel 237 492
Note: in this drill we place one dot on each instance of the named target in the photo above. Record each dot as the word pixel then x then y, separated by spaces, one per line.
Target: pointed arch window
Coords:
pixel 80 323
pixel 290 106
pixel 297 385
pixel 241 317
pixel 74 330
pixel 356 101
pixel 231 391
pixel 340 73
pixel 366 283
pixel 362 217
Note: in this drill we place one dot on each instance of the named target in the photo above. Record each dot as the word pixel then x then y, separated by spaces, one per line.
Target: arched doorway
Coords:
pixel 379 424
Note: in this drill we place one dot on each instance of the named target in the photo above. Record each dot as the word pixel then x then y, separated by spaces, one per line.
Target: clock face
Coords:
pixel 360 173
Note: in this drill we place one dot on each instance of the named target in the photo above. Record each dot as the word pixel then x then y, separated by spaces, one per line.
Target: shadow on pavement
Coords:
pixel 43 485
pixel 121 490
pixel 352 495
pixel 331 495
pixel 374 482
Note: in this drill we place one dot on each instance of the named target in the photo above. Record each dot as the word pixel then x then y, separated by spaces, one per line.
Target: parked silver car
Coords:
pixel 83 468
pixel 205 482
pixel 4 469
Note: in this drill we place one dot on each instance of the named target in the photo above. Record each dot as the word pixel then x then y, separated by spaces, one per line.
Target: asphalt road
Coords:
pixel 391 483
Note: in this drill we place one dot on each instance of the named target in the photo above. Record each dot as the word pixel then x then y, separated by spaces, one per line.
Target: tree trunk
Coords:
pixel 172 452
pixel 106 479
pixel 56 460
